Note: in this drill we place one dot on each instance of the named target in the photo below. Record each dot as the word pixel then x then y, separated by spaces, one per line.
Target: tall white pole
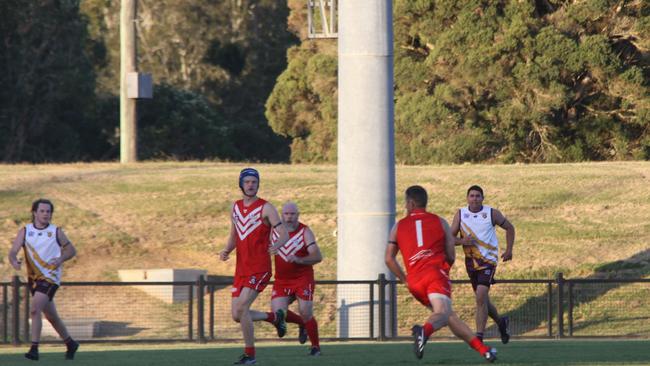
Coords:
pixel 128 127
pixel 366 159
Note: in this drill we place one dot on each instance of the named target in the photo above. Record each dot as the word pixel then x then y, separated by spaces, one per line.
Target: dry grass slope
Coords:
pixel 589 219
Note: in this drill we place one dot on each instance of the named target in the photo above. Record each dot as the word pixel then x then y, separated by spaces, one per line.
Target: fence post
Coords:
pixel 26 327
pixel 393 309
pixel 211 289
pixel 5 313
pixel 560 305
pixel 549 309
pixel 200 327
pixel 371 302
pixel 382 306
pixel 190 293
pixel 570 315
pixel 15 287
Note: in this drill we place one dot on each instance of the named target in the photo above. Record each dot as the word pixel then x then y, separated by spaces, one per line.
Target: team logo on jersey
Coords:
pixel 248 223
pixel 49 234
pixel 466 216
pixel 292 246
pixel 253 280
pixel 30 234
pixel 306 293
pixel 484 214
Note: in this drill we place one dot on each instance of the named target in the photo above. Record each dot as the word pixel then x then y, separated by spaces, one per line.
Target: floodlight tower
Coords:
pixel 366 157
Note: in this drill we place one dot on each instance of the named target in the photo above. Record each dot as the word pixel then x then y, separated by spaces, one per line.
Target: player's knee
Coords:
pixel 34 313
pixel 306 315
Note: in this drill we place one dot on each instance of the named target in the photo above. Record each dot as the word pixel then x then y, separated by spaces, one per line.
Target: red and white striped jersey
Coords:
pixel 297 246
pixel 253 238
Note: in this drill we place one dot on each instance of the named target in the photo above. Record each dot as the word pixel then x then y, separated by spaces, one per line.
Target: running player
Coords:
pixel 294 276
pixel 476 225
pixel 427 248
pixel 46 248
pixel 250 233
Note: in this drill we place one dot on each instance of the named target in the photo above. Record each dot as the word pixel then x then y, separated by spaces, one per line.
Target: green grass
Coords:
pixel 587 220
pixel 602 352
pixel 595 214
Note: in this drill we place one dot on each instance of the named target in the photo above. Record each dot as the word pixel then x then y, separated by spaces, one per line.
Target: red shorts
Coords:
pixel 302 288
pixel 433 281
pixel 257 282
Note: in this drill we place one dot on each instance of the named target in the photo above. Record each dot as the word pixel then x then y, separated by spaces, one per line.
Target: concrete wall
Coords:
pixel 167 293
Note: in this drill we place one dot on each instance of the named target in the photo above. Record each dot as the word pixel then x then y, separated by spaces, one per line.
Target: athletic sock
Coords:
pixel 312 331
pixel 428 329
pixel 294 318
pixel 478 345
pixel 250 351
pixel 270 317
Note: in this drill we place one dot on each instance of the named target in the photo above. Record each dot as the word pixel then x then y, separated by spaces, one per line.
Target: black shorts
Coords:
pixel 483 277
pixel 44 287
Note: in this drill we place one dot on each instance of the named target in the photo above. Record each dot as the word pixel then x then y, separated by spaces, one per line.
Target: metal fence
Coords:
pixel 200 311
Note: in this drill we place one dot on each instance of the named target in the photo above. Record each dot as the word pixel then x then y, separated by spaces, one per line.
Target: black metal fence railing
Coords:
pixel 200 311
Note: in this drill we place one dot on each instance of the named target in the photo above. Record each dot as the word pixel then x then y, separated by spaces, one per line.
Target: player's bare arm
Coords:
pixel 68 250
pixel 224 254
pixel 499 219
pixel 270 214
pixel 15 248
pixel 391 254
pixel 450 241
pixel 455 230
pixel 313 251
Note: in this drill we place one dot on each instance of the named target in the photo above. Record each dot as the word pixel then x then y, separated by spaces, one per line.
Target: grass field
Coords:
pixel 157 215
pixel 587 220
pixel 565 352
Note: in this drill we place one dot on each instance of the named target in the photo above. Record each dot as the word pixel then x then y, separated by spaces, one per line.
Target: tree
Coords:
pixel 47 97
pixel 510 81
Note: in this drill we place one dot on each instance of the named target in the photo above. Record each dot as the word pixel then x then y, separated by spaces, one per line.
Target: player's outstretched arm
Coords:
pixel 455 229
pixel 501 220
pixel 450 240
pixel 391 254
pixel 270 214
pixel 230 245
pixel 313 251
pixel 68 250
pixel 15 247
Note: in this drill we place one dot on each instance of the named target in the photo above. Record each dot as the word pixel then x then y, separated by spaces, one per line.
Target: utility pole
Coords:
pixel 128 64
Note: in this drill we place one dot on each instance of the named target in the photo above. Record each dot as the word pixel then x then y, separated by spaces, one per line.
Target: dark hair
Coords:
pixel 475 188
pixel 418 195
pixel 38 202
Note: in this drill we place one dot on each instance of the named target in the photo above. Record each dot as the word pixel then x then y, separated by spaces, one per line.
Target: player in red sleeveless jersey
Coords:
pixel 294 276
pixel 250 233
pixel 427 247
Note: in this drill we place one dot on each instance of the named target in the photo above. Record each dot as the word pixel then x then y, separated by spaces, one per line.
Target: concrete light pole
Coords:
pixel 366 158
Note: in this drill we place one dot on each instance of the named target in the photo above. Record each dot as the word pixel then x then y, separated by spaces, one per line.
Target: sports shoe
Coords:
pixel 245 360
pixel 419 340
pixel 491 355
pixel 72 349
pixel 302 334
pixel 503 329
pixel 315 351
pixel 32 355
pixel 280 324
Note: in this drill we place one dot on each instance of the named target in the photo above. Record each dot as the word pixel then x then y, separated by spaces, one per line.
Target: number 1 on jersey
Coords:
pixel 418 232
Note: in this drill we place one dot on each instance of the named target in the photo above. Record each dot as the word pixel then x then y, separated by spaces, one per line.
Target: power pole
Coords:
pixel 128 64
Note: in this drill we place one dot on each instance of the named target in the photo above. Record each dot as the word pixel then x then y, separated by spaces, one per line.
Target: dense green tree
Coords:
pixel 230 52
pixel 47 94
pixel 528 81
